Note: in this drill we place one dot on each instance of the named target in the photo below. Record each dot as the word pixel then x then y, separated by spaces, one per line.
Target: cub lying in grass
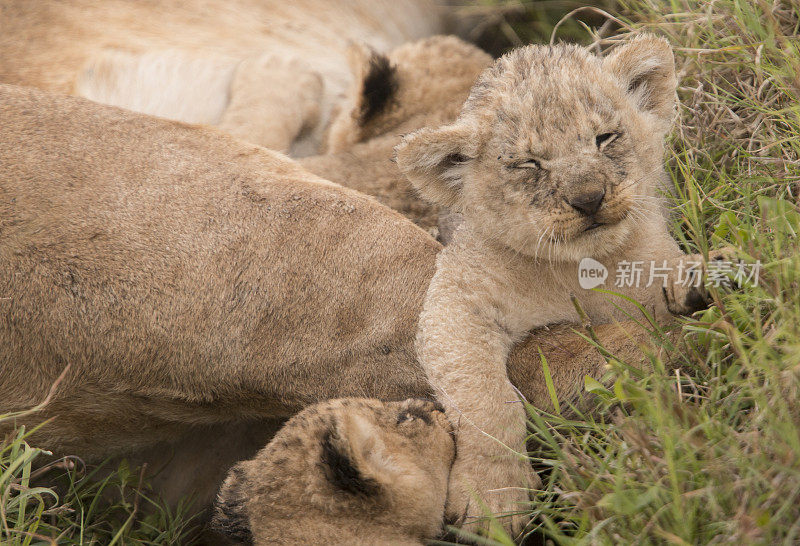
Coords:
pixel 555 157
pixel 347 471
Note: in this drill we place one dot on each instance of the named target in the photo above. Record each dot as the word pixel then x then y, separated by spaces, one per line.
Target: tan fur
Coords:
pixel 293 92
pixel 253 81
pixel 521 158
pixel 127 80
pixel 348 471
pixel 193 282
pixel 123 53
pixel 434 77
pixel 360 155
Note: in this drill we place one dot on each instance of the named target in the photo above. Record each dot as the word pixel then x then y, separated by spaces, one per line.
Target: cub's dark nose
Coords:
pixel 587 203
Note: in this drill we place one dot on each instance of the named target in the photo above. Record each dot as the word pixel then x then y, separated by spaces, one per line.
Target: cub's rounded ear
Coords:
pixel 434 159
pixel 374 88
pixel 646 68
pixel 230 517
pixel 355 457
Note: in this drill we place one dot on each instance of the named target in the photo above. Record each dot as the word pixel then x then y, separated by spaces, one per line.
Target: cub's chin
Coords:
pixel 598 242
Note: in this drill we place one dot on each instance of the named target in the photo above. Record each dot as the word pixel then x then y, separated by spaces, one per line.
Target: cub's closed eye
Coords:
pixel 457 159
pixel 405 417
pixel 605 139
pixel 530 164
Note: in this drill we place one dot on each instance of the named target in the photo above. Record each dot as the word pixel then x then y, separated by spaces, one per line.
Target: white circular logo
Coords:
pixel 591 273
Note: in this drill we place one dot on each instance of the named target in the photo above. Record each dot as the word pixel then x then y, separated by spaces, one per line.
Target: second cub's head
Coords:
pixel 556 152
pixel 351 461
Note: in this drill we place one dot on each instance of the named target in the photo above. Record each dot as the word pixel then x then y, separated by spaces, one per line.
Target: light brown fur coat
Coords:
pixel 268 71
pixel 555 157
pixel 429 81
pixel 349 471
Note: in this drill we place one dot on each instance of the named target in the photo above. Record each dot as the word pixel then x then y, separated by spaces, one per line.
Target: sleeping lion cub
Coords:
pixel 346 471
pixel 555 157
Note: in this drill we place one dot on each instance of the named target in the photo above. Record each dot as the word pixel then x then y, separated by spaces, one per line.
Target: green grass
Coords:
pixel 705 446
pixel 45 501
pixel 499 25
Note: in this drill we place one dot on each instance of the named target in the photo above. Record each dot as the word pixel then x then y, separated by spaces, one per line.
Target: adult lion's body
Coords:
pixel 182 60
pixel 153 256
pixel 193 50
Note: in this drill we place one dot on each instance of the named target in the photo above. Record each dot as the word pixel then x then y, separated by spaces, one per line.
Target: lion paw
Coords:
pixel 687 289
pixel 501 490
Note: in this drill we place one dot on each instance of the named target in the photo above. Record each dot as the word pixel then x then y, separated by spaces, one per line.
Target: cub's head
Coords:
pixel 420 83
pixel 556 151
pixel 348 460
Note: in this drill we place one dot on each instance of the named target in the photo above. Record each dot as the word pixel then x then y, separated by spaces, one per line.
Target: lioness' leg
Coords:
pixel 272 100
pixel 196 463
pixel 191 459
pixel 169 84
pixel 265 99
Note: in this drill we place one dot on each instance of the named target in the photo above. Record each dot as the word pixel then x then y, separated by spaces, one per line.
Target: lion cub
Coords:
pixel 347 471
pixel 555 157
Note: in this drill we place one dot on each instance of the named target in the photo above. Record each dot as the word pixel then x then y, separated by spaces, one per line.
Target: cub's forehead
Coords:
pixel 542 91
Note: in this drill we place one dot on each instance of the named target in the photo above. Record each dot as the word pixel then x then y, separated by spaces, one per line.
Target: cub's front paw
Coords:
pixel 487 487
pixel 685 300
pixel 686 290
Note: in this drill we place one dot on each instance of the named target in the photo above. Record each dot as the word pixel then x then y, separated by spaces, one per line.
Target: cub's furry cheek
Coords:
pixel 434 161
pixel 230 511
